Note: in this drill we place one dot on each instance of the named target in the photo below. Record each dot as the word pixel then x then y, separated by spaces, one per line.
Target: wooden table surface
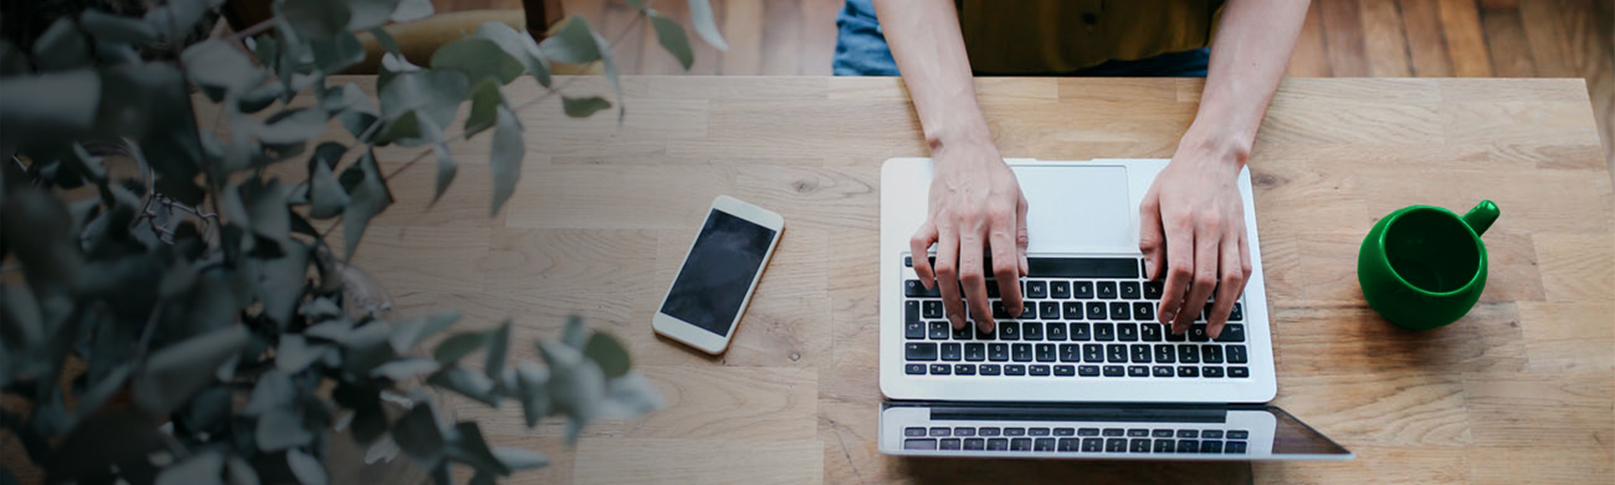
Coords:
pixel 1520 390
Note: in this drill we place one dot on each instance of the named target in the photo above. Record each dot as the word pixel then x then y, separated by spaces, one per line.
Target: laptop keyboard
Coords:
pixel 1085 318
pixel 1077 440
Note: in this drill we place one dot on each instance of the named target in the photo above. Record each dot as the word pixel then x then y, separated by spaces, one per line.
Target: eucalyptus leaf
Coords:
pixel 467 383
pixel 519 46
pixel 61 46
pixel 112 437
pixel 388 43
pixel 629 396
pixel 409 333
pixel 485 98
pixel 575 335
pixel 419 435
pixel 333 55
pixel 281 428
pixel 603 349
pixel 336 329
pixel 217 63
pixel 273 390
pixel 295 353
pixel 412 10
pixel 437 94
pixel 457 346
pixel 446 169
pixel 48 108
pixel 369 14
pixel 369 197
pixel 200 469
pixel 519 458
pixel 174 18
pixel 292 126
pixel 505 163
pixel 316 19
pixel 705 25
pixel 368 347
pixel 478 58
pixel 498 349
pixel 258 98
pixel 284 278
pixel 307 469
pixel 172 374
pixel 532 391
pixel 326 197
pixel 115 28
pixel 240 472
pixel 573 44
pixel 12 61
pixel 469 447
pixel 671 35
pixel 583 107
pixel 90 401
pixel 576 385
pixel 405 369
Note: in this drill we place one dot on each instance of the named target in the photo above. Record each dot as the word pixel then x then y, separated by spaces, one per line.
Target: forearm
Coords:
pixel 930 51
pixel 1248 58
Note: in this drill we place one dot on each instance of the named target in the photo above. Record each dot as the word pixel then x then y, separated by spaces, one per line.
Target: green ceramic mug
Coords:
pixel 1423 267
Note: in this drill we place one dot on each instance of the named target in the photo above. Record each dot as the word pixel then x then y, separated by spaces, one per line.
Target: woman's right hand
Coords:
pixel 975 206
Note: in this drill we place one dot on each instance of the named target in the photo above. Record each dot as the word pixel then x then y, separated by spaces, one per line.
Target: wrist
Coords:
pixel 960 140
pixel 1217 146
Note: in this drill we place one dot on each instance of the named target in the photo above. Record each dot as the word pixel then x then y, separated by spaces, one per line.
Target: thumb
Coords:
pixel 1021 239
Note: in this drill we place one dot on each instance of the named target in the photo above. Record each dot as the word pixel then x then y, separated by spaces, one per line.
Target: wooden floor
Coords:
pixel 1342 38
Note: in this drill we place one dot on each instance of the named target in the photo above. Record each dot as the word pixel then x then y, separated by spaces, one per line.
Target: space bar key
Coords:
pixel 1082 267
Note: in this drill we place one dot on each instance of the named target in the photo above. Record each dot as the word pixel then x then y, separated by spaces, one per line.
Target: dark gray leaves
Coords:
pixel 175 372
pixel 705 25
pixel 436 94
pixel 479 59
pixel 325 194
pixel 114 28
pixel 369 196
pixel 671 35
pixel 608 353
pixel 506 161
pixel 418 434
pixel 446 170
pixel 218 64
pixel 409 10
pixel 574 44
pixel 519 46
pixel 273 390
pixel 307 469
pixel 368 14
pixel 520 459
pixel 61 46
pixel 296 353
pixel 199 469
pixel 451 350
pixel 281 428
pixel 61 105
pixel 498 347
pixel 316 19
pixel 405 369
pixel 410 333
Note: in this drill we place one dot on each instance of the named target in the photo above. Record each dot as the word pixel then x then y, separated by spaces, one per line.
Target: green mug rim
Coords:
pixel 1480 262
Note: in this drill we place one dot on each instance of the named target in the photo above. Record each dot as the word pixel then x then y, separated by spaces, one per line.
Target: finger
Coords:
pixel 1179 269
pixel 973 277
pixel 1021 238
pixel 947 275
pixel 1006 267
pixel 1231 282
pixel 1205 275
pixel 918 247
pixel 1151 236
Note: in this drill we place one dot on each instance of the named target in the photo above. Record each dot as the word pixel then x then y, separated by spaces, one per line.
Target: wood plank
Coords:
pixel 1427 44
pixel 1505 42
pixel 1343 29
pixel 1466 38
pixel 1384 41
pixel 1311 55
pixel 622 461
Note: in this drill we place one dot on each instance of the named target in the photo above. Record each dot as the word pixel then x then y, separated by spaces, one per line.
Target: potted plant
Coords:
pixel 173 312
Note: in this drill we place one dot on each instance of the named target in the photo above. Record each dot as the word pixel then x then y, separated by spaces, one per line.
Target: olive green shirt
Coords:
pixel 1059 36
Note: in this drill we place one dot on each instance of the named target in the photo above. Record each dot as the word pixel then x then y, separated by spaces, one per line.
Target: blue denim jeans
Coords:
pixel 861 50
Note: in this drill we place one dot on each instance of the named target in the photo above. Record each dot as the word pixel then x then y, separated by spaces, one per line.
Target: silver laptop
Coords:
pixel 1086 371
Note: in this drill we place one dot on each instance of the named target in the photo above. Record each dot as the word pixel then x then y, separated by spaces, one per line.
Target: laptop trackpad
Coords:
pixel 1075 209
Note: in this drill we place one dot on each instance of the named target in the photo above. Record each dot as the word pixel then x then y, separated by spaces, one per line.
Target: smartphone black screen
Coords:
pixel 710 287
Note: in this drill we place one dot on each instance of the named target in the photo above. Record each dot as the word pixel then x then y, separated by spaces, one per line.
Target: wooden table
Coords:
pixel 1521 390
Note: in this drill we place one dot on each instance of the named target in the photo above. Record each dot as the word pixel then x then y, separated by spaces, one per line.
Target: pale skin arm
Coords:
pixel 1192 218
pixel 975 202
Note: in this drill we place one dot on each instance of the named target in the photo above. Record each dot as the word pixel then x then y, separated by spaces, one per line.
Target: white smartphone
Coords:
pixel 704 303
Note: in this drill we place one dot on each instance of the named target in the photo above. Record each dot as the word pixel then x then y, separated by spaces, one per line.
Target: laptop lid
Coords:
pixel 1101 431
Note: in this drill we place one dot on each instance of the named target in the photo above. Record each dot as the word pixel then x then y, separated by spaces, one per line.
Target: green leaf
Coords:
pixel 369 197
pixel 326 197
pixel 519 46
pixel 467 383
pixel 369 424
pixel 412 10
pixel 388 44
pixel 606 351
pixel 410 333
pixel 335 330
pixel 316 19
pixel 506 160
pixel 217 63
pixel 90 401
pixel 369 14
pixel 199 469
pixel 61 46
pixel 368 348
pixel 48 109
pixel 478 58
pixel 639 4
pixel 576 385
pixel 12 61
pixel 575 335
pixel 333 55
pixel 531 388
pixel 292 126
pixel 470 448
pixel 629 396
pixel 418 434
pixel 405 369
pixel 284 278
pixel 458 346
pixel 583 107
pixel 281 428
pixel 520 459
pixel 445 170
pixel 176 17
pixel 172 374
pixel 295 353
pixel 258 98
pixel 485 98
pixel 307 469
pixel 273 390
pixel 705 25
pixel 498 348
pixel 240 472
pixel 436 94
pixel 118 29
pixel 671 35
pixel 574 44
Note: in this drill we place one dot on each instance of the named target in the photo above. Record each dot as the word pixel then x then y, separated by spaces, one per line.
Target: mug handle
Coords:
pixel 1482 216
